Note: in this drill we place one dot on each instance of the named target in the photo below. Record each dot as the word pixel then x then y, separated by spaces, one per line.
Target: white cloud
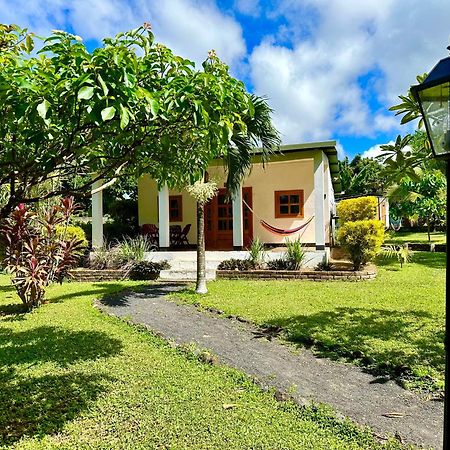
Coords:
pixel 314 84
pixel 248 7
pixel 190 27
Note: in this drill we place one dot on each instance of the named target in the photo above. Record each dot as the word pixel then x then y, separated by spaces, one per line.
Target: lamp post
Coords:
pixel 433 96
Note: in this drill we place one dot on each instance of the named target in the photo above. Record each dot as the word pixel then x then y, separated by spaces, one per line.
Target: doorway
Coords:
pixel 219 221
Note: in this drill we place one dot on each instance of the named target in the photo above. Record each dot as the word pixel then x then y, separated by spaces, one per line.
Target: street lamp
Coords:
pixel 433 96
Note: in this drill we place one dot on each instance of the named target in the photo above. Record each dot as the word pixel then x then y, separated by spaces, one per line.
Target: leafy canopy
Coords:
pixel 130 106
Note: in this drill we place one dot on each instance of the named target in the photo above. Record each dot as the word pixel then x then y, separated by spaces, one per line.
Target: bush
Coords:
pixel 105 257
pixel 132 250
pixel 73 232
pixel 147 270
pixel 235 264
pixel 257 253
pixel 362 239
pixel 295 255
pixel 353 209
pixel 278 264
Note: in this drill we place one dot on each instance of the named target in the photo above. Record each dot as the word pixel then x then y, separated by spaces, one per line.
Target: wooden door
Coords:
pixel 219 221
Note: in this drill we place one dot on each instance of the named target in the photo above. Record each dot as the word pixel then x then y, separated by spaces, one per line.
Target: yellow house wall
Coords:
pixel 287 172
pixel 148 206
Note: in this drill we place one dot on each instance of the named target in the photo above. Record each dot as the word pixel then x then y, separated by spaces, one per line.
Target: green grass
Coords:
pixel 393 325
pixel 412 237
pixel 72 377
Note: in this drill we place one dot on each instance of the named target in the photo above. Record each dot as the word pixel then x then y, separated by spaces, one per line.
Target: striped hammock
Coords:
pixel 275 230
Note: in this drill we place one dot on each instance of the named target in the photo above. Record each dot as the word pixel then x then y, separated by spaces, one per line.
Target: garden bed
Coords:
pixel 369 273
pixel 93 275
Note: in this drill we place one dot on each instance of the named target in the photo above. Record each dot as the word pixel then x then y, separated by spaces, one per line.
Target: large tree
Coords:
pixel 130 106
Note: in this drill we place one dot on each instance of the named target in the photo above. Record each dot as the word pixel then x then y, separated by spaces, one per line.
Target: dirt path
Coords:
pixel 384 406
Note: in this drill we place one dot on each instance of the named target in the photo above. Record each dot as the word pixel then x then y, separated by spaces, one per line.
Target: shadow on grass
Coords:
pixel 433 260
pixel 144 292
pixel 54 344
pixel 372 337
pixel 95 289
pixel 42 405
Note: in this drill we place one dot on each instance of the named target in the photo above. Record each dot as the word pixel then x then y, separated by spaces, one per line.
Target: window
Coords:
pixel 176 208
pixel 289 203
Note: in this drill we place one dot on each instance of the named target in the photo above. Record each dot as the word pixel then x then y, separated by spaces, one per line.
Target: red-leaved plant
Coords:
pixel 37 253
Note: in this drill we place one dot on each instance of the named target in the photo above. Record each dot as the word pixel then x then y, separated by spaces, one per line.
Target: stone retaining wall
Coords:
pixel 93 275
pixel 313 275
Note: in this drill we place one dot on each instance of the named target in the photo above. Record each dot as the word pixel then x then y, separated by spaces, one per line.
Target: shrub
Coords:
pixel 147 270
pixel 324 266
pixel 257 253
pixel 278 264
pixel 353 209
pixel 73 232
pixel 295 255
pixel 105 257
pixel 362 239
pixel 235 264
pixel 132 250
pixel 36 255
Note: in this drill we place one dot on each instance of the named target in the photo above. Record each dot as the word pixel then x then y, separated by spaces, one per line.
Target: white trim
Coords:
pixel 238 220
pixel 97 215
pixel 163 210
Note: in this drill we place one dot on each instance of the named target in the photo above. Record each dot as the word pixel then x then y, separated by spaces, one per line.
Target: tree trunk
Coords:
pixel 201 288
pixel 429 229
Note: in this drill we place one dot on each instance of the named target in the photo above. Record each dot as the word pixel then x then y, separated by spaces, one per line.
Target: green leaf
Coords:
pixel 103 85
pixel 42 108
pixel 154 106
pixel 108 113
pixel 85 93
pixel 124 117
pixel 29 43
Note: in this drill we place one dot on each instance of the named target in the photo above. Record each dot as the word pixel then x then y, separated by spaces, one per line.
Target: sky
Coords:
pixel 329 68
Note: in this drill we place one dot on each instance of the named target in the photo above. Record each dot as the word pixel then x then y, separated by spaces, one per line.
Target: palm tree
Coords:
pixel 260 132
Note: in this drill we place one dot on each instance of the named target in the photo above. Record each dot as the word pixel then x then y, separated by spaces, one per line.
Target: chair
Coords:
pixel 183 235
pixel 175 234
pixel 151 231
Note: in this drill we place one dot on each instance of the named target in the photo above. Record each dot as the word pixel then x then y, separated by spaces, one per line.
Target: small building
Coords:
pixel 292 195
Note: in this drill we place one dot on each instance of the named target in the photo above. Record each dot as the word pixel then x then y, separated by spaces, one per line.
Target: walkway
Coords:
pixel 381 404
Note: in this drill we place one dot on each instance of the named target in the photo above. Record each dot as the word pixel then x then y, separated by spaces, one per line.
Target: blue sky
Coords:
pixel 330 68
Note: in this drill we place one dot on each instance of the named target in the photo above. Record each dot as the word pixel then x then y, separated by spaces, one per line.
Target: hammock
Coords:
pixel 395 224
pixel 275 230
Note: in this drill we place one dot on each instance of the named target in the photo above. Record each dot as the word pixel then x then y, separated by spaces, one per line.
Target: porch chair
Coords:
pixel 183 235
pixel 151 231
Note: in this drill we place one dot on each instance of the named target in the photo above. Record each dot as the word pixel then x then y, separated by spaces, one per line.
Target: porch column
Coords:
pixel 163 214
pixel 97 215
pixel 319 203
pixel 238 221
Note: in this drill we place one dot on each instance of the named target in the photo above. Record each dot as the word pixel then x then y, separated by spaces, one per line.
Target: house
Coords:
pixel 294 191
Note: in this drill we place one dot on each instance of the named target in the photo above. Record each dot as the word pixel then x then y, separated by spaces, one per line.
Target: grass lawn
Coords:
pixel 393 324
pixel 71 377
pixel 412 237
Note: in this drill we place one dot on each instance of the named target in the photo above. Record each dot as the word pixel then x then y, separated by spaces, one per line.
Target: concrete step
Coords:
pixel 177 264
pixel 184 275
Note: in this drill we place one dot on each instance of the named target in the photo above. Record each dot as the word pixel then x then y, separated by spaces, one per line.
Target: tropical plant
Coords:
pixel 295 254
pixel 257 253
pixel 362 176
pixel 202 192
pixel 70 232
pixel 362 239
pixel 37 253
pixel 402 253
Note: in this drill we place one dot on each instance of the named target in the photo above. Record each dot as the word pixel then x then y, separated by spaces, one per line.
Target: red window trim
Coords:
pixel 300 194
